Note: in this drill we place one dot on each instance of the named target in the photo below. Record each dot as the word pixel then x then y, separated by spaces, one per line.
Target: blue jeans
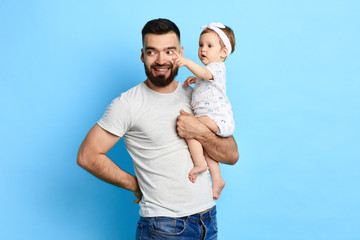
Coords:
pixel 198 226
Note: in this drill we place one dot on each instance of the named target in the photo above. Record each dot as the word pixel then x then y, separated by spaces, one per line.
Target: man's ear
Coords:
pixel 142 55
pixel 182 51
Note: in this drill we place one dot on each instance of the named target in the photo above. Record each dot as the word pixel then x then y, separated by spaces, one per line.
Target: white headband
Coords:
pixel 216 27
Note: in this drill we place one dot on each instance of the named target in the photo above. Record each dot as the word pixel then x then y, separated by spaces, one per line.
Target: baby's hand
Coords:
pixel 189 80
pixel 179 60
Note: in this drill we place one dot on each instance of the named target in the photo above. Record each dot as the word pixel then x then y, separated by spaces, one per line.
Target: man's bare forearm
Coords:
pixel 92 157
pixel 221 149
pixel 105 169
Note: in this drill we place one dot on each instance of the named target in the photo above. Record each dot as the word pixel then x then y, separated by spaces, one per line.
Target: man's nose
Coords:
pixel 161 59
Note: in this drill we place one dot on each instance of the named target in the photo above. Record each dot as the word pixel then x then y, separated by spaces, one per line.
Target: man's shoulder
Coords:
pixel 187 91
pixel 125 99
pixel 133 92
pixel 134 89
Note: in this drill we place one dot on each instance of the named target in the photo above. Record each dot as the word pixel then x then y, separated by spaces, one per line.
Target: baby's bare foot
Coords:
pixel 195 172
pixel 217 188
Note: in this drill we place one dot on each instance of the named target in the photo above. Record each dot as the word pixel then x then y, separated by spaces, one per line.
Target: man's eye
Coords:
pixel 150 53
pixel 170 52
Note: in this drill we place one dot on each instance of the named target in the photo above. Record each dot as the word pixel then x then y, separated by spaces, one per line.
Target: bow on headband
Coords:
pixel 216 27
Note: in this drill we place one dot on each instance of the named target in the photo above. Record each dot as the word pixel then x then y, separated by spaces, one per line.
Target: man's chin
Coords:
pixel 160 81
pixel 161 76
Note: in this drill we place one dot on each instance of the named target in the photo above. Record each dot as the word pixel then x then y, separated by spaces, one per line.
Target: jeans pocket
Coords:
pixel 168 226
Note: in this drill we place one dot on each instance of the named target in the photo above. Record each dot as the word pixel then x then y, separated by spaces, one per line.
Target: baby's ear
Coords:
pixel 224 52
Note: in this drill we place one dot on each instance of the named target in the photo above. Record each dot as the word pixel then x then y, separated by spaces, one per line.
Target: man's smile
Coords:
pixel 161 69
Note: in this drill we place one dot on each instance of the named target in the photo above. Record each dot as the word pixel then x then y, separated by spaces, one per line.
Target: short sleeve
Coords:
pixel 117 117
pixel 216 69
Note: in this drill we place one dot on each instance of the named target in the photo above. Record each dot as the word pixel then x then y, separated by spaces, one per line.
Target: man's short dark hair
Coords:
pixel 160 26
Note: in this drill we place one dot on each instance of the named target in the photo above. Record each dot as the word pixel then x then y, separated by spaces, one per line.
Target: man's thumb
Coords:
pixel 182 112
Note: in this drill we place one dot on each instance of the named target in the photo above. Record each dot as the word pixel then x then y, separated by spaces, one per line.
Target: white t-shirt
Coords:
pixel 146 119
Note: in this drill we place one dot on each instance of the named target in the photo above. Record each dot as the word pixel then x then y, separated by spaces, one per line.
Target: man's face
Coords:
pixel 157 55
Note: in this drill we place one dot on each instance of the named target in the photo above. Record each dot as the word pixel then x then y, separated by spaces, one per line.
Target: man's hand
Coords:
pixel 220 149
pixel 188 126
pixel 189 80
pixel 179 60
pixel 138 196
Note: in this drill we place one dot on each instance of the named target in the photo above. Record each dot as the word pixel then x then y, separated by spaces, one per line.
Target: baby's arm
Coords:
pixel 196 69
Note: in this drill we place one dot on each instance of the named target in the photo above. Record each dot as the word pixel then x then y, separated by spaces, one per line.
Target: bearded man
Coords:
pixel 147 117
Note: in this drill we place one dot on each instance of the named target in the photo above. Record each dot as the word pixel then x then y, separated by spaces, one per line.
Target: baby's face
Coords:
pixel 210 49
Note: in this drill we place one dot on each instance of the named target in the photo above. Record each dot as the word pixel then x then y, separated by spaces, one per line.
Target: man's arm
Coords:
pixel 221 149
pixel 92 158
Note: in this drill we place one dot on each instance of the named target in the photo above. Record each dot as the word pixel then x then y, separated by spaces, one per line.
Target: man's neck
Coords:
pixel 168 89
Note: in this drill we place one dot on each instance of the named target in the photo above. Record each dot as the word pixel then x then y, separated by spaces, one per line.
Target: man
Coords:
pixel 147 117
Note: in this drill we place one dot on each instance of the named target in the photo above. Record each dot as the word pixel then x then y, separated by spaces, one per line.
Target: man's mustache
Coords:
pixel 162 65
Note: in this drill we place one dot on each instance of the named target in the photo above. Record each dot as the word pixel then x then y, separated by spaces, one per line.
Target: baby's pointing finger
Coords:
pixel 176 62
pixel 176 53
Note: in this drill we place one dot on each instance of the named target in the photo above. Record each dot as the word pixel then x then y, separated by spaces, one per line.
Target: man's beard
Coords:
pixel 161 80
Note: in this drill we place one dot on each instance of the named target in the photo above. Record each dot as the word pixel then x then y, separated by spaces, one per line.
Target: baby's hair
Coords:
pixel 229 33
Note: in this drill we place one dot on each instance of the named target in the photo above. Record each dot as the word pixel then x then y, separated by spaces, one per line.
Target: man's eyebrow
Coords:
pixel 167 48
pixel 149 48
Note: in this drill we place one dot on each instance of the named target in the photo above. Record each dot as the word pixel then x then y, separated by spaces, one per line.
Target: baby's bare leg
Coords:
pixel 209 123
pixel 217 181
pixel 197 155
pixel 214 168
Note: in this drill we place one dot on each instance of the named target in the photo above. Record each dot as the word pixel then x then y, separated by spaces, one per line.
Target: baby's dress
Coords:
pixel 209 99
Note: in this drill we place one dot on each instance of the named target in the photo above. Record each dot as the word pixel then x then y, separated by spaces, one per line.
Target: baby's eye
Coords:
pixel 210 46
pixel 200 45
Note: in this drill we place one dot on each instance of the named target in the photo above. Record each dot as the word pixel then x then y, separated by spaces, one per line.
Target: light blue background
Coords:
pixel 293 82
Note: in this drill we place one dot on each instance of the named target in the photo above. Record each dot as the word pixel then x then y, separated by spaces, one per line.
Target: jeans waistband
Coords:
pixel 197 216
pixel 205 214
